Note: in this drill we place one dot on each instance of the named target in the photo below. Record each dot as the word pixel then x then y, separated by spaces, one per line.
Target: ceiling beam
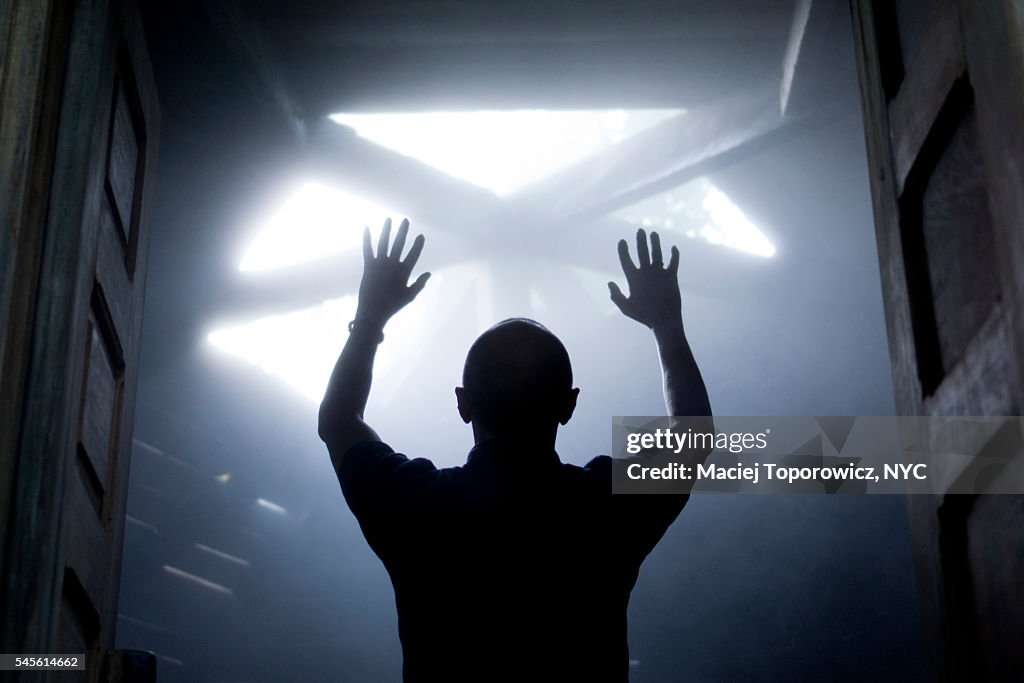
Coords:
pixel 244 37
pixel 466 77
pixel 813 58
pixel 467 222
pixel 797 31
pixel 701 141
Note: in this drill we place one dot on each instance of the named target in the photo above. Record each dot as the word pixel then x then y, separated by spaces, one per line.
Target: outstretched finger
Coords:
pixel 367 246
pixel 385 235
pixel 656 260
pixel 618 298
pixel 624 258
pixel 396 248
pixel 414 252
pixel 673 261
pixel 642 255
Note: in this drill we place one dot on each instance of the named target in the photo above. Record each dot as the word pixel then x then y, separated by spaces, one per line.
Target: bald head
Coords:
pixel 518 377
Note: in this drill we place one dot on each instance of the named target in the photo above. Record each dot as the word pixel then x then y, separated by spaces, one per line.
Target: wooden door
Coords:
pixel 942 86
pixel 68 471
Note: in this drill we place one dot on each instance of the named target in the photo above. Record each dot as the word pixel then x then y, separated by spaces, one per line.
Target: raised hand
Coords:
pixel 385 287
pixel 653 287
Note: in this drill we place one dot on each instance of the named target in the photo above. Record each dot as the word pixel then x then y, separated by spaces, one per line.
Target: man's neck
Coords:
pixel 537 439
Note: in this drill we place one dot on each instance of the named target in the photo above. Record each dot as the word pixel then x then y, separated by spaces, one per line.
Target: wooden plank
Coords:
pixel 951 270
pixel 994 38
pixel 658 158
pixel 53 389
pixel 903 355
pixel 599 74
pixel 917 104
pixel 697 143
pixel 952 546
pixel 443 56
pixel 111 271
pixel 123 161
pixel 708 270
pixel 705 166
pixel 86 538
pixel 141 88
pixel 275 293
pixel 339 156
pixel 392 24
pixel 997 522
pixel 34 36
pixel 485 224
pixel 813 70
pixel 78 624
pixel 101 394
pixel 794 45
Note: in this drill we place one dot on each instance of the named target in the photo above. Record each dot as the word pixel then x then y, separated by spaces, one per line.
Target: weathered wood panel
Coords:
pixel 35 40
pixel 73 437
pixel 943 92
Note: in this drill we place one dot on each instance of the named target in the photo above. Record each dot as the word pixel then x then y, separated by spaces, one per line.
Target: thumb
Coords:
pixel 618 298
pixel 416 287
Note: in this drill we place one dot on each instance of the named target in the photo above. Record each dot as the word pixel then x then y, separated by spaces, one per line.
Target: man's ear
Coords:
pixel 569 407
pixel 464 410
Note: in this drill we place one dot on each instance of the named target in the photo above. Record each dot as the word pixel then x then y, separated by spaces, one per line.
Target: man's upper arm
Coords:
pixel 640 519
pixel 372 474
pixel 341 436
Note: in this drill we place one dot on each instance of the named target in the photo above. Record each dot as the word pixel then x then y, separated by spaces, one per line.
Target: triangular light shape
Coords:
pixel 502 151
pixel 314 222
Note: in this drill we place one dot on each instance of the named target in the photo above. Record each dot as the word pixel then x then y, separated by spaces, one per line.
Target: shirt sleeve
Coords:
pixel 639 520
pixel 374 477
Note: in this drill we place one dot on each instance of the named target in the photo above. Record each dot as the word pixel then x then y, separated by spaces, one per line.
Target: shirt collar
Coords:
pixel 503 452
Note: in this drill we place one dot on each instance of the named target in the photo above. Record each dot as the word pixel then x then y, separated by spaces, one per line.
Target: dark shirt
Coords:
pixel 512 567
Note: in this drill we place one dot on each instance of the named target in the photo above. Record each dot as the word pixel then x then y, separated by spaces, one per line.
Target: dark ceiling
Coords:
pixel 394 55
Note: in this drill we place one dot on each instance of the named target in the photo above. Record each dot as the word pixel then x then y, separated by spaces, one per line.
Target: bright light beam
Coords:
pixel 700 210
pixel 502 151
pixel 499 150
pixel 272 506
pixel 730 227
pixel 315 222
pixel 302 346
pixel 299 347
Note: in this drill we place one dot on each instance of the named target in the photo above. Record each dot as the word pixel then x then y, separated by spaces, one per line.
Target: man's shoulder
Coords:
pixel 376 460
pixel 597 465
pixel 596 473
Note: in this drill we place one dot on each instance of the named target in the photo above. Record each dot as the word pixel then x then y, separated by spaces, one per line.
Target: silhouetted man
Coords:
pixel 514 566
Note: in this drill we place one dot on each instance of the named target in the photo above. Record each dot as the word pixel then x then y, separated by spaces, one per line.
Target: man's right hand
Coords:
pixel 653 287
pixel 385 289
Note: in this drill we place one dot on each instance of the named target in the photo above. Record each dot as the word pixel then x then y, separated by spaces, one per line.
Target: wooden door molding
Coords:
pixel 31 74
pixel 945 137
pixel 994 39
pixel 982 379
pixel 68 468
pixel 32 577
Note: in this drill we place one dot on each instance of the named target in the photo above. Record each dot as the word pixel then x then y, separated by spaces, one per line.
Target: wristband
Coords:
pixel 360 325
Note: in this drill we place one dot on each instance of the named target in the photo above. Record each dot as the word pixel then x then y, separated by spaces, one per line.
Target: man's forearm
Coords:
pixel 383 291
pixel 685 393
pixel 349 386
